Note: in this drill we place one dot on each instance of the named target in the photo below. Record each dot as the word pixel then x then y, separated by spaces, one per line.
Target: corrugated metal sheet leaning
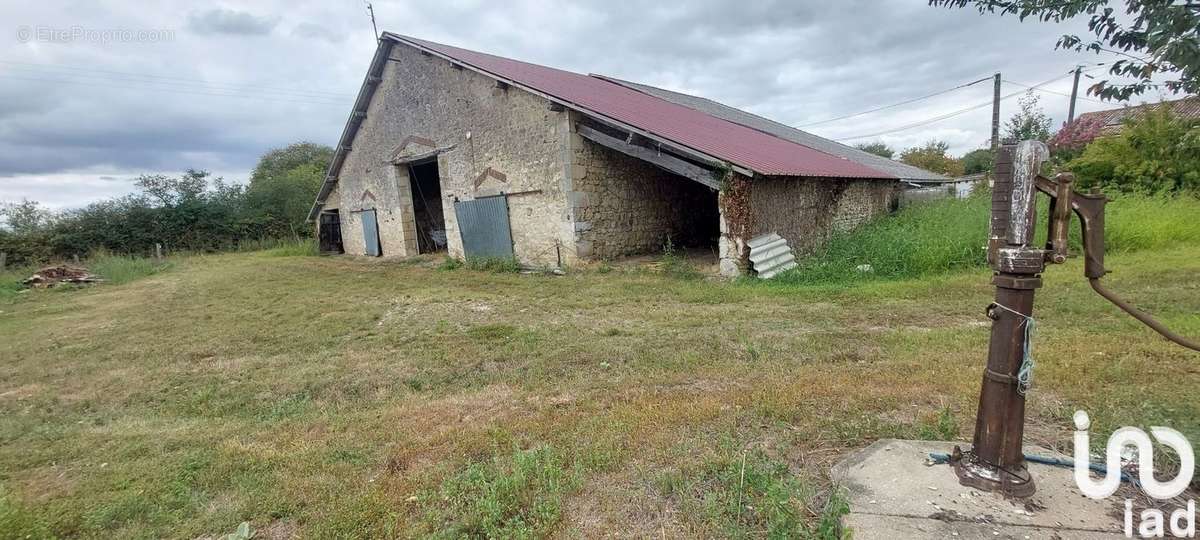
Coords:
pixel 770 255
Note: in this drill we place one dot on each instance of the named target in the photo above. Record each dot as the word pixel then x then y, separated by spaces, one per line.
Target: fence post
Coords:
pixel 75 258
pixel 3 260
pixel 158 251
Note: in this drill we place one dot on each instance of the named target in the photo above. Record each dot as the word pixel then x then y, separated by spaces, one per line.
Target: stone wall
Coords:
pixel 806 211
pixel 625 206
pixel 424 104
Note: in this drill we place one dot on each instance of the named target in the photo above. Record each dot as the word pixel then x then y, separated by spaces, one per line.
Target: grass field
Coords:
pixel 331 397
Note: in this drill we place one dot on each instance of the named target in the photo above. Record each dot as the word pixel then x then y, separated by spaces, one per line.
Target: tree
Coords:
pixel 933 157
pixel 168 191
pixel 24 217
pixel 1030 123
pixel 1163 37
pixel 878 148
pixel 1077 134
pixel 1155 152
pixel 285 183
pixel 978 161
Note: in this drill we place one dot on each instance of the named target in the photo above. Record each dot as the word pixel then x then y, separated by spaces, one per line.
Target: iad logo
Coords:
pixel 1182 521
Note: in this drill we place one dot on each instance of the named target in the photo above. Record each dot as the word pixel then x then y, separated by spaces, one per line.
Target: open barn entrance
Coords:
pixel 641 201
pixel 427 207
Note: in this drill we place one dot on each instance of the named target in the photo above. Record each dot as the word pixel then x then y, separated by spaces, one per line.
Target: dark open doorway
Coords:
pixel 427 207
pixel 330 232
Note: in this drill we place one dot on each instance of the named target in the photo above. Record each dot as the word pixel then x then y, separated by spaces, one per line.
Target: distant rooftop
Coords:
pixel 1188 107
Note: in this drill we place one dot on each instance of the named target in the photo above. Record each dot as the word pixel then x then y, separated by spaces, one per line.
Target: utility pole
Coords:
pixel 996 113
pixel 371 10
pixel 1074 92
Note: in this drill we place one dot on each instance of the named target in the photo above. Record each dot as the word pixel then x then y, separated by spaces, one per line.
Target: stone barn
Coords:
pixel 476 155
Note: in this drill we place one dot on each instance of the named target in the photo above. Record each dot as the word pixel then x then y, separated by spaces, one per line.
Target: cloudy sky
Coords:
pixel 94 93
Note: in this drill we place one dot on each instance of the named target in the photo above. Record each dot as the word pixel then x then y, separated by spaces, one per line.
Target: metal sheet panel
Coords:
pixel 370 229
pixel 484 228
pixel 770 255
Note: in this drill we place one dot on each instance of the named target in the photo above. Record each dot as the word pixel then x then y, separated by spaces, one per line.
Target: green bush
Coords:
pixel 1155 152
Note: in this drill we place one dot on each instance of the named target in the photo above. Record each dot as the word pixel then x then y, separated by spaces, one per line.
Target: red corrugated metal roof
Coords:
pixel 737 144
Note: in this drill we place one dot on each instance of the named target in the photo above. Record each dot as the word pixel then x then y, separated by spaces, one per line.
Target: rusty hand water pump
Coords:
pixel 996 461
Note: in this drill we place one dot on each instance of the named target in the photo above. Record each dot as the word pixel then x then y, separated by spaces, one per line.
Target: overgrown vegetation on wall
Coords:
pixel 191 212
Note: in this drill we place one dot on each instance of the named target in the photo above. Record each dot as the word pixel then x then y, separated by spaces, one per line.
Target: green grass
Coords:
pixel 519 495
pixel 331 397
pixel 744 493
pixel 949 235
pixel 294 248
pixel 499 265
pixel 119 269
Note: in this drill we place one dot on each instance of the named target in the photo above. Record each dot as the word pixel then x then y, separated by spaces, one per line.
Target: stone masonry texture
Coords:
pixel 479 126
pixel 625 206
pixel 570 199
pixel 805 211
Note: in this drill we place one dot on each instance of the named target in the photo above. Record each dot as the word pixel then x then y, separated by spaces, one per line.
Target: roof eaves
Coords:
pixel 357 114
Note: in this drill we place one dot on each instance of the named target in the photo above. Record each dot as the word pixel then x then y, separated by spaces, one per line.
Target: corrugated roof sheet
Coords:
pixel 753 149
pixel 738 116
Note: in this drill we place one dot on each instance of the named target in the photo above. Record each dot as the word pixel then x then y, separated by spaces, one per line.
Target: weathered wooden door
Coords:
pixel 370 229
pixel 484 228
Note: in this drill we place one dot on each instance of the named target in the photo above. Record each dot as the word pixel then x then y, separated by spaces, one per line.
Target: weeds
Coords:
pixel 294 248
pixel 450 264
pixel 118 269
pixel 676 265
pixel 497 265
pixel 514 496
pixel 739 494
pixel 942 428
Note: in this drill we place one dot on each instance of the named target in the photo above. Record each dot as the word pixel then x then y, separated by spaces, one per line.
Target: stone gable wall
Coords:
pixel 424 99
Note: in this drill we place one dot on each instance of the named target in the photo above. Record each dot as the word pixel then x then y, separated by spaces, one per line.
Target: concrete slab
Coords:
pixel 893 494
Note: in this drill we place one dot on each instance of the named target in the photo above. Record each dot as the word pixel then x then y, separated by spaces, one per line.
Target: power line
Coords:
pixel 905 102
pixel 952 113
pixel 32 66
pixel 1048 91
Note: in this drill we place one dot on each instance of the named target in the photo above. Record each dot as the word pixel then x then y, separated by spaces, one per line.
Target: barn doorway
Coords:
pixel 330 232
pixel 428 213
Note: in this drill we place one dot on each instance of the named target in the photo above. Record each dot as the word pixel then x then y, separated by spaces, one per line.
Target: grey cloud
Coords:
pixel 231 22
pixel 218 103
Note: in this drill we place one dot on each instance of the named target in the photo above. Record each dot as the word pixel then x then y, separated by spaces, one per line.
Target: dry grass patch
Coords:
pixel 317 397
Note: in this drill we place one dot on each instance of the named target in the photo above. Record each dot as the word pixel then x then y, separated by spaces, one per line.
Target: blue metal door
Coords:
pixel 483 227
pixel 370 229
